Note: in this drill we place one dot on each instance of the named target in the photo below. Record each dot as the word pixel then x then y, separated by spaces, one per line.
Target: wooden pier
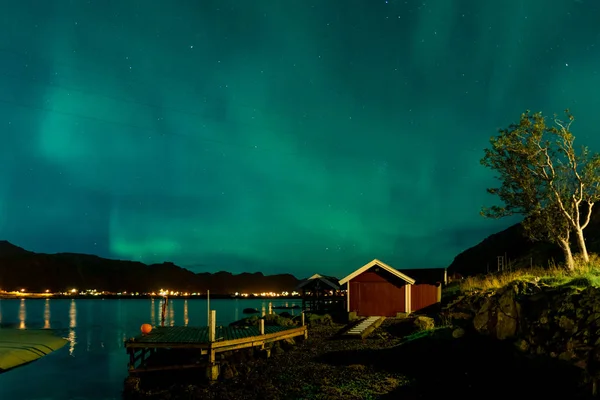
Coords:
pixel 205 342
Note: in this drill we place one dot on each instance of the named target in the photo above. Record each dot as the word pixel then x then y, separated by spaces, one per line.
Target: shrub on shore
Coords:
pixel 583 275
pixel 270 320
pixel 319 319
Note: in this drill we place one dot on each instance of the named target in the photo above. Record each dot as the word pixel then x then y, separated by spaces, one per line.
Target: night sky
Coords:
pixel 275 135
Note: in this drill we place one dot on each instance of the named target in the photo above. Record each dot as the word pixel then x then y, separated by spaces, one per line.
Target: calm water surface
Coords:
pixel 93 364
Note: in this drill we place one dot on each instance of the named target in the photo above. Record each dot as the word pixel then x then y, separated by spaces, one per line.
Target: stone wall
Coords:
pixel 559 322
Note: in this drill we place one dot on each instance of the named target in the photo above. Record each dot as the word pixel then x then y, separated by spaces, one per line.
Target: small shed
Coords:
pixel 377 289
pixel 321 294
pixel 427 289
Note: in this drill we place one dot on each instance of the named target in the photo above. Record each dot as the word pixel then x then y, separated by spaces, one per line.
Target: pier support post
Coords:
pixel 143 357
pixel 212 322
pixel 213 369
pixel 131 364
pixel 261 331
pixel 266 352
pixel 304 325
pixel 163 313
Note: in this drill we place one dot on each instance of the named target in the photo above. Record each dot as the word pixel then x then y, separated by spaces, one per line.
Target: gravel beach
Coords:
pixel 302 372
pixel 397 361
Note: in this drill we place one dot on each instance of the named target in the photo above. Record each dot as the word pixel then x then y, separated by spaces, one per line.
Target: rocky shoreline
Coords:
pixel 542 320
pixel 403 358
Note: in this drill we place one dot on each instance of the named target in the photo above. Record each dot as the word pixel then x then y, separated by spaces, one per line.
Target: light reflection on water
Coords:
pixel 152 313
pixel 22 314
pixel 171 314
pixel 47 314
pixel 186 318
pixel 72 325
pixel 93 364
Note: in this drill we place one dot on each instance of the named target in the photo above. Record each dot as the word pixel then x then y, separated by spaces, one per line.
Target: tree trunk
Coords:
pixel 582 245
pixel 566 248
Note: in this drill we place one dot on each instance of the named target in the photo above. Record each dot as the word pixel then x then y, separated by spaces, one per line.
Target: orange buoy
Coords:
pixel 146 329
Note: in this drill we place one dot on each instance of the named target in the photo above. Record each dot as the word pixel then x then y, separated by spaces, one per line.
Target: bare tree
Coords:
pixel 550 226
pixel 544 179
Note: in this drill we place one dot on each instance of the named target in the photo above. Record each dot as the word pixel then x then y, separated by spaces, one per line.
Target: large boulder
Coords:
pixel 500 315
pixel 423 323
pixel 462 309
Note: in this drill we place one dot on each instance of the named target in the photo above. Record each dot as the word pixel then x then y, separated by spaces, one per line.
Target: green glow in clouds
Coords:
pixel 274 136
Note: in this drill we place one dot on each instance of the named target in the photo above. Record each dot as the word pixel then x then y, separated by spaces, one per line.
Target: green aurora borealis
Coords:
pixel 275 136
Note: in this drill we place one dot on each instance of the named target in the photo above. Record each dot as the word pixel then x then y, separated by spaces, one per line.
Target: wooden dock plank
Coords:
pixel 267 337
pixel 181 335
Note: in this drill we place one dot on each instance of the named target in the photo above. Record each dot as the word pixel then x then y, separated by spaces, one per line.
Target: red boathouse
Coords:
pixel 376 289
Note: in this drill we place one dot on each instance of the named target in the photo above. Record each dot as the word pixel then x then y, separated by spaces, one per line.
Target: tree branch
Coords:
pixel 550 180
pixel 588 216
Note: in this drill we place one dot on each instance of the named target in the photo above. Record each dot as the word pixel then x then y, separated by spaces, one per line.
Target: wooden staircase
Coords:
pixel 364 327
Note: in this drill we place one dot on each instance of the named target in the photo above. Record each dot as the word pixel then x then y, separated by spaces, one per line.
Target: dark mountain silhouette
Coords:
pixel 9 249
pixel 20 268
pixel 520 251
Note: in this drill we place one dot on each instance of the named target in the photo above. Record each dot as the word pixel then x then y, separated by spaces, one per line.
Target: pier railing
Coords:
pixel 205 341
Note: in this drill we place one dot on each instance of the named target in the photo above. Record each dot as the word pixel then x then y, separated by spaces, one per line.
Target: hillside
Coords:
pixel 8 249
pixel 520 251
pixel 20 268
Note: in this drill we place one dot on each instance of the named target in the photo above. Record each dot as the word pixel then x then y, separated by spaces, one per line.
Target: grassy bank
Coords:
pixel 583 275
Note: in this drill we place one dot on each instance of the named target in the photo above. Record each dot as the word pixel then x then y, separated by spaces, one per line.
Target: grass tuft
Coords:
pixel 585 274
